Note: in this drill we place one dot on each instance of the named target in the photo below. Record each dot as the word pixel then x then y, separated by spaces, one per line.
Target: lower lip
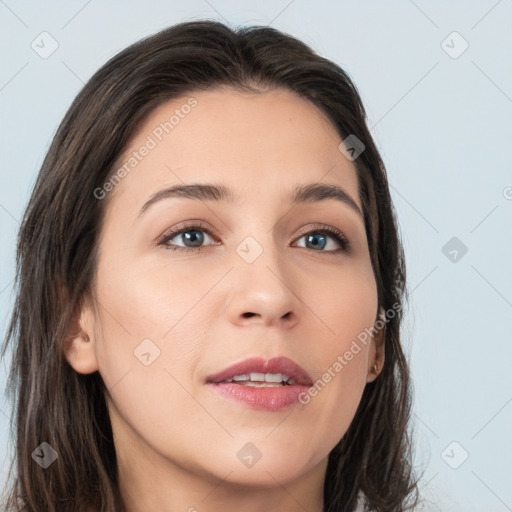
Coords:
pixel 264 398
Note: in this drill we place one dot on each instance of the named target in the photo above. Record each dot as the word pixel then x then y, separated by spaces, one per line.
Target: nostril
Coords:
pixel 249 314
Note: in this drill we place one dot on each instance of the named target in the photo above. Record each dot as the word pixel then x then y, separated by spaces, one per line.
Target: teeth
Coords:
pixel 274 378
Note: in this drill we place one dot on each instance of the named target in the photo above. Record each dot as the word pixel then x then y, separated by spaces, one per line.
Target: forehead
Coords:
pixel 252 142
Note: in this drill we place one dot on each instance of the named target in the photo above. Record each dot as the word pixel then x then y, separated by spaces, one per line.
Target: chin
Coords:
pixel 275 466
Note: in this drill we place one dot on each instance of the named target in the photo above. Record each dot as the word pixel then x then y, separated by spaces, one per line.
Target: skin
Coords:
pixel 176 439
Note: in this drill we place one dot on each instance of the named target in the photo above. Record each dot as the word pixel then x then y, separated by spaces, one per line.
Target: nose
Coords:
pixel 264 293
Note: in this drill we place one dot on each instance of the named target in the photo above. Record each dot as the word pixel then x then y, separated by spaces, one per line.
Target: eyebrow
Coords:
pixel 310 193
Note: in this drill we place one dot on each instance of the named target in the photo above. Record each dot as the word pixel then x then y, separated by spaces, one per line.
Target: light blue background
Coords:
pixel 444 128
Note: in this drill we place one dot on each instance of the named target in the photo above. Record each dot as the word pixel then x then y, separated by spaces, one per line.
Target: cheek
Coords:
pixel 151 329
pixel 151 337
pixel 346 306
pixel 149 301
pixel 345 303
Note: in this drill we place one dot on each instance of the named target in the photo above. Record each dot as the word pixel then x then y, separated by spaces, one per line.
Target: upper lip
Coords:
pixel 260 365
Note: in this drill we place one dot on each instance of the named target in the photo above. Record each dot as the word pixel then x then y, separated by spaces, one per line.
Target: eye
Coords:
pixel 194 235
pixel 317 239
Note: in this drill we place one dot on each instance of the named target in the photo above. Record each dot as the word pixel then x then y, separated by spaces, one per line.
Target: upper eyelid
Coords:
pixel 190 226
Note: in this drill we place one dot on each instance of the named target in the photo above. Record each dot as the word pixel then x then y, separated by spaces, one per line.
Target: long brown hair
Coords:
pixel 57 255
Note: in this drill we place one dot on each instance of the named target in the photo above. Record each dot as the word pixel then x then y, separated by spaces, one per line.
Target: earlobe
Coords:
pixel 373 373
pixel 79 345
pixel 376 360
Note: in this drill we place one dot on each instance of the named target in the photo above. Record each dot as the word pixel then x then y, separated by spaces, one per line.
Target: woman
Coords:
pixel 210 284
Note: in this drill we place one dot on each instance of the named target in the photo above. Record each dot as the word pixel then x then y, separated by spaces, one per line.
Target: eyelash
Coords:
pixel 323 229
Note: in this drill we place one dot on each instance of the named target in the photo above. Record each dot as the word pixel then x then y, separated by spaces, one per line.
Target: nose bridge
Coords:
pixel 261 280
pixel 261 260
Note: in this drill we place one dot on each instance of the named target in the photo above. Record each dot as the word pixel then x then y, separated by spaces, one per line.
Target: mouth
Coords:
pixel 257 372
pixel 271 385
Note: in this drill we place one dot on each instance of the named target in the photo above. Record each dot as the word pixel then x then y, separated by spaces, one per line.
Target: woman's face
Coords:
pixel 260 277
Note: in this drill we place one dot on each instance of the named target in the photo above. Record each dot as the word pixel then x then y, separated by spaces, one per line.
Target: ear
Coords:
pixel 80 342
pixel 376 354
